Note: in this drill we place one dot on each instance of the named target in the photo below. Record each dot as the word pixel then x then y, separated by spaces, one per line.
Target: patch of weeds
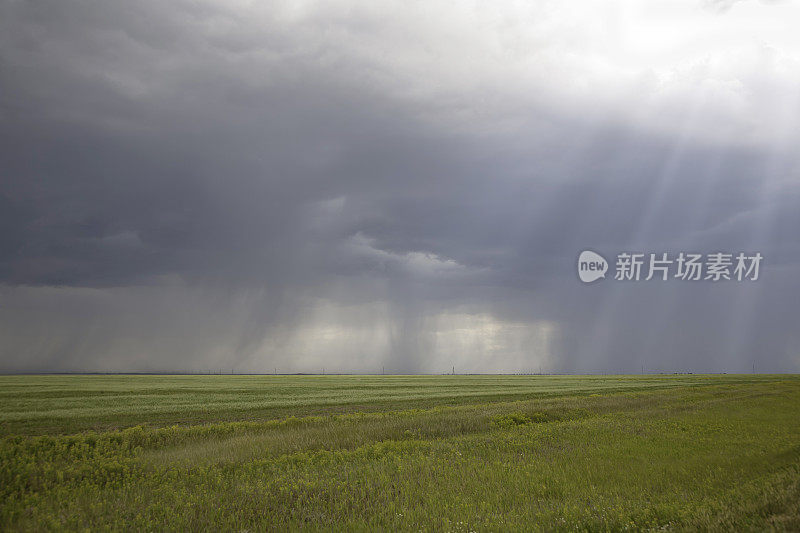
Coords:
pixel 511 420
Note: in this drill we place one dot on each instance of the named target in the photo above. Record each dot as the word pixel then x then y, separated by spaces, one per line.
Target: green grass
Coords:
pixel 444 453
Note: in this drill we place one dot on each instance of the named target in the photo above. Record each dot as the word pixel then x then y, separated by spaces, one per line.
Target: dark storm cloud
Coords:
pixel 192 185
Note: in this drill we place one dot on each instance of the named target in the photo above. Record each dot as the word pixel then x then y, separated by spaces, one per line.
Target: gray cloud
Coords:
pixel 199 186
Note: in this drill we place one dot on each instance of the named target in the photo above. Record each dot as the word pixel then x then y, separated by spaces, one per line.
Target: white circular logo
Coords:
pixel 591 266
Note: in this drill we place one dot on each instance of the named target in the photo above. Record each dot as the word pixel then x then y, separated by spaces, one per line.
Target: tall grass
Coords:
pixel 718 453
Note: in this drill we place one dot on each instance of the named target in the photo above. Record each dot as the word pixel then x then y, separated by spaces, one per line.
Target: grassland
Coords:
pixel 449 453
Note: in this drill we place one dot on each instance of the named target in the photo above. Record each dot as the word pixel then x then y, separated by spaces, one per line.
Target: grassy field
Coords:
pixel 443 453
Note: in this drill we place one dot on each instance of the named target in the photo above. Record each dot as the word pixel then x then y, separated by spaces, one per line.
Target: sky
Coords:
pixel 394 186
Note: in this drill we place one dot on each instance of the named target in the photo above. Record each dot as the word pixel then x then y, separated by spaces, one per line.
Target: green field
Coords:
pixel 442 453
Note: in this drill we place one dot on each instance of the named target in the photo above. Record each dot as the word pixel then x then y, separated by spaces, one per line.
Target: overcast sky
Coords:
pixel 250 186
